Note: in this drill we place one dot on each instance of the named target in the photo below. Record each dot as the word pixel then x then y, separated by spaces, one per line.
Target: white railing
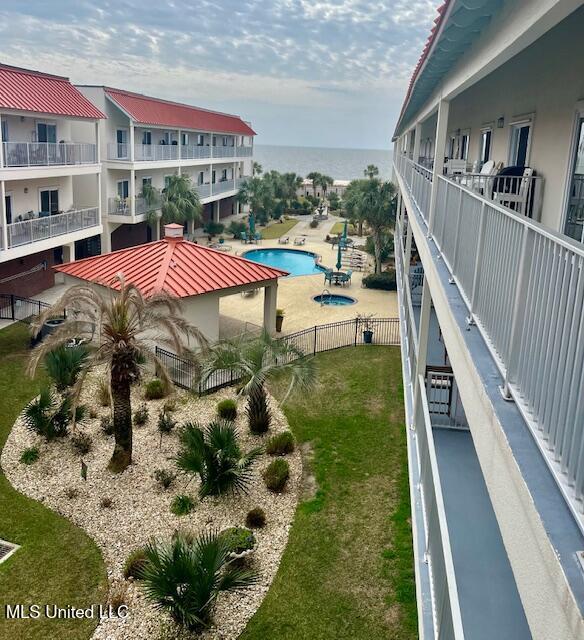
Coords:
pixel 157 152
pixel 29 231
pixel 123 206
pixel 44 154
pixel 523 285
pixel 446 606
pixel 222 186
pixel 444 403
pixel 204 190
pixel 522 194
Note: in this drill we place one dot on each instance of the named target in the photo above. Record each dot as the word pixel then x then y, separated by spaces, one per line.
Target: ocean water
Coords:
pixel 340 164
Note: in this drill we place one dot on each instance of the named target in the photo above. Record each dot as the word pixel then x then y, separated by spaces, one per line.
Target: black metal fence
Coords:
pixel 324 337
pixel 17 308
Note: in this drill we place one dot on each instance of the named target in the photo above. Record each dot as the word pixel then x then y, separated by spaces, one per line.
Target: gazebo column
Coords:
pixel 270 305
pixel 216 207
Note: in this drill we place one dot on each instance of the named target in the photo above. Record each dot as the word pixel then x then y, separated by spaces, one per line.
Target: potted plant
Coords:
pixel 279 319
pixel 366 321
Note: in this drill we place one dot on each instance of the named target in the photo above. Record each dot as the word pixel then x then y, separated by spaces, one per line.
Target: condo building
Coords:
pixel 146 140
pixel 489 166
pixel 47 214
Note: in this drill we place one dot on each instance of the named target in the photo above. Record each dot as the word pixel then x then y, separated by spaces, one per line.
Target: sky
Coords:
pixel 329 73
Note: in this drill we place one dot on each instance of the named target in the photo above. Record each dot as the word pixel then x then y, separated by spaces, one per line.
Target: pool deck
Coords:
pixel 295 293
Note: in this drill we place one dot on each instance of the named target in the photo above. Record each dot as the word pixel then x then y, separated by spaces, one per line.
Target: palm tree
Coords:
pixel 121 321
pixel 185 577
pixel 181 202
pixel 379 212
pixel 255 361
pixel 325 183
pixel 315 177
pixel 258 193
pixel 256 168
pixel 371 172
pixel 152 198
pixel 214 454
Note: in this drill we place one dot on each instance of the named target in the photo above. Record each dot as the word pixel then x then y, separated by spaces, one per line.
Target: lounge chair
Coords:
pixel 284 240
pixel 299 241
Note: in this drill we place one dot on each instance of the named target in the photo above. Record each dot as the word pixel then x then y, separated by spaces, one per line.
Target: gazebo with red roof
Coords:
pixel 198 275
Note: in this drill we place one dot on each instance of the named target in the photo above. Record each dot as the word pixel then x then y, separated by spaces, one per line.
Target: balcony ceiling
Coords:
pixel 458 26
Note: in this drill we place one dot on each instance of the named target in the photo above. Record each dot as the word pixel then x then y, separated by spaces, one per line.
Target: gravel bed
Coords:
pixel 141 509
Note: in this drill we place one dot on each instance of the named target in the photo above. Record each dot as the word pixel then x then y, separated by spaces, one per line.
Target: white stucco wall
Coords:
pixel 26 196
pixel 24 128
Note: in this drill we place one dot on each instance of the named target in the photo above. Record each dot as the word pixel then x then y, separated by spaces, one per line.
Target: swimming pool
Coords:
pixel 334 299
pixel 297 263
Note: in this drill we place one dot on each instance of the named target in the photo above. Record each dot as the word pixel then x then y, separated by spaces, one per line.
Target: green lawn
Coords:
pixel 278 229
pixel 339 226
pixel 58 563
pixel 347 572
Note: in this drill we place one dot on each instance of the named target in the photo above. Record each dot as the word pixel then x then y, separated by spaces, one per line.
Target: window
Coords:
pixel 122 143
pixel 4 131
pixel 485 150
pixel 184 138
pixel 574 226
pixel 123 189
pixel 146 137
pixel 201 178
pixel 49 201
pixel 213 177
pixel 458 145
pixel 223 175
pixel 519 144
pixel 225 141
pixel 8 204
pixel 200 140
pixel 214 141
pixel 46 132
pixel 146 181
pixel 167 181
pixel 167 137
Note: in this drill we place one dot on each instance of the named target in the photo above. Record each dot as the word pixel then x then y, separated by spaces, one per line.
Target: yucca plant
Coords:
pixel 255 361
pixel 118 322
pixel 185 577
pixel 214 454
pixel 64 364
pixel 49 415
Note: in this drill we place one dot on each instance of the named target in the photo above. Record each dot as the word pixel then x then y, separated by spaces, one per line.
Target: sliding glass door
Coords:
pixel 575 214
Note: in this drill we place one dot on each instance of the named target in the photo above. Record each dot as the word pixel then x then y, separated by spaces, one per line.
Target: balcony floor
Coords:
pixel 489 600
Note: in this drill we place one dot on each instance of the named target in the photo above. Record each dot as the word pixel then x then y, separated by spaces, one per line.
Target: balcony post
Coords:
pixel 132 153
pixel 1 146
pixel 477 266
pixel 441 133
pixel 423 333
pixel 408 251
pixel 3 220
pixel 453 266
pixel 132 192
pixel 97 143
pixel 417 136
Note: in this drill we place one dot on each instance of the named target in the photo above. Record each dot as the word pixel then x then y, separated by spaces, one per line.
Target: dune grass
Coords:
pixel 58 563
pixel 347 572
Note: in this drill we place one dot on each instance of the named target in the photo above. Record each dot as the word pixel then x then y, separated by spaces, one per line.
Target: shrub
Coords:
pixel 81 443
pixel 384 281
pixel 182 505
pixel 106 503
pixel 46 416
pixel 170 405
pixel 165 422
pixel 238 539
pixel 107 425
pixel 236 228
pixel 214 228
pixel 164 478
pixel 30 455
pixel 214 454
pixel 141 415
pixel 64 364
pixel 154 389
pixel 104 394
pixel 314 224
pixel 185 577
pixel 257 412
pixel 280 444
pixel 135 563
pixel 227 409
pixel 276 475
pixel 71 493
pixel 255 518
pixel 118 596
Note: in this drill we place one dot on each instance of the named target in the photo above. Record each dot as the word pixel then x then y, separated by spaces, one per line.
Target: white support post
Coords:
pixel 270 306
pixel 441 133
pixel 99 211
pixel 179 145
pixel 408 250
pixel 3 220
pixel 97 143
pixel 216 210
pixel 106 238
pixel 132 151
pixel 69 252
pixel 132 192
pixel 1 144
pixel 423 333
pixel 417 141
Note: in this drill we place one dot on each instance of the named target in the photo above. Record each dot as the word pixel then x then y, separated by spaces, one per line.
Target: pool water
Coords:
pixel 334 299
pixel 297 263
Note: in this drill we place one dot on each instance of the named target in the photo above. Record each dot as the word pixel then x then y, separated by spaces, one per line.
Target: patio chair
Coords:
pixel 346 278
pixel 244 237
pixel 455 166
pixel 284 240
pixel 257 237
pixel 328 276
pixel 299 241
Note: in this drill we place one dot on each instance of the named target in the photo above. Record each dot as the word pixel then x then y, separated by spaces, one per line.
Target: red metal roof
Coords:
pixel 25 90
pixel 174 265
pixel 146 110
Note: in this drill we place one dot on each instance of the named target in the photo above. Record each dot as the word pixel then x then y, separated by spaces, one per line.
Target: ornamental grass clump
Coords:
pixel 185 577
pixel 255 518
pixel 154 389
pixel 280 444
pixel 30 455
pixel 227 409
pixel 182 505
pixel 214 453
pixel 276 475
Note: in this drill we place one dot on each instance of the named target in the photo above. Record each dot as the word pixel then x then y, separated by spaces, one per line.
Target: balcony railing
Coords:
pixel 45 154
pixel 158 152
pixel 204 190
pixel 123 206
pixel 222 186
pixel 524 288
pixel 37 229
